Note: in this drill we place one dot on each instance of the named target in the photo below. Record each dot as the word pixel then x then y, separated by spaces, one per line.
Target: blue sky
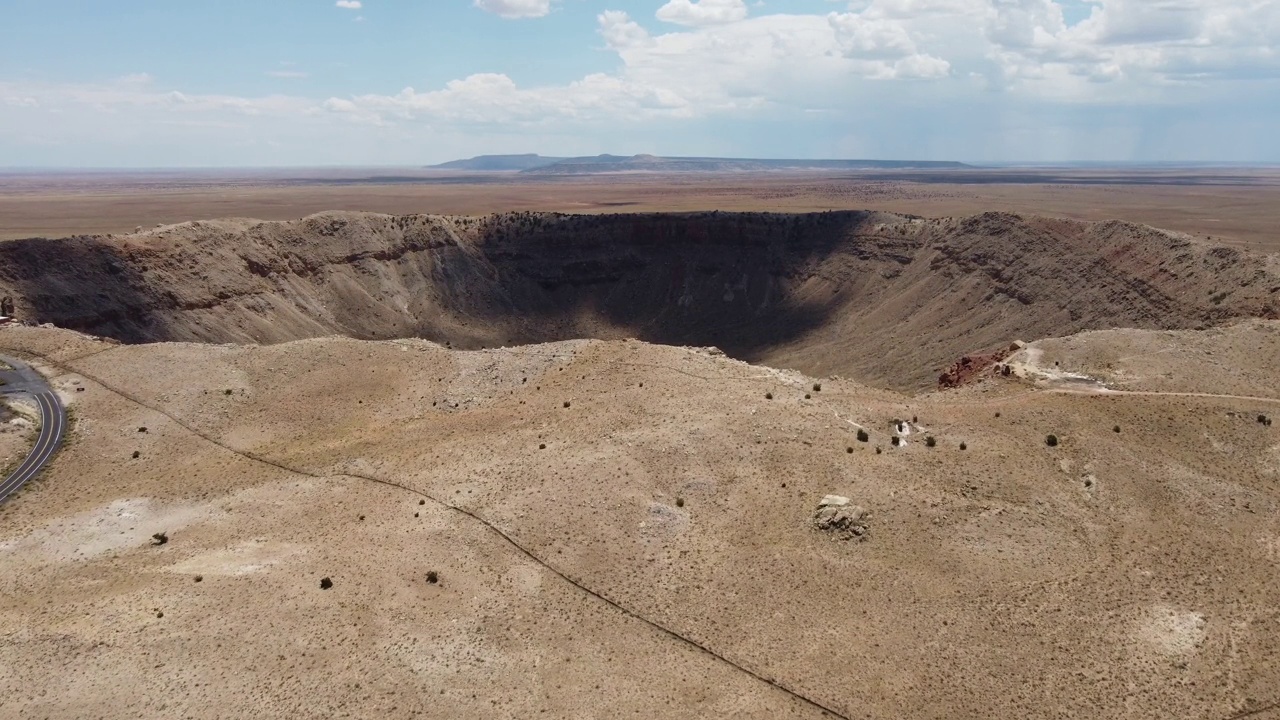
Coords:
pixel 133 83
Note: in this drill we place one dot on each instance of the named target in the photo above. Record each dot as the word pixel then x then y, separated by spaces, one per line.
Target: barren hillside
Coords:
pixel 888 299
pixel 623 529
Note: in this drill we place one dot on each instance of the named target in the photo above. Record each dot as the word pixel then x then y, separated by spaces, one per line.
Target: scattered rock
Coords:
pixel 970 368
pixel 835 515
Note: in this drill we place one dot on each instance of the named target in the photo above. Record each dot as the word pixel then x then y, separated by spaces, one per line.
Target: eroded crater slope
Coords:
pixel 886 298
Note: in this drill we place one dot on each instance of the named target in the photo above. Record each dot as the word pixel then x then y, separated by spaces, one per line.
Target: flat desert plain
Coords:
pixel 1233 205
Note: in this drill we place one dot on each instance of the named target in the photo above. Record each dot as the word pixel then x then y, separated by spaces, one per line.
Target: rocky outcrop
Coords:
pixel 888 299
pixel 836 516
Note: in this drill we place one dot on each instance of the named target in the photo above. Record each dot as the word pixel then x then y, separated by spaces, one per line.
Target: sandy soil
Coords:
pixel 1235 206
pixel 1117 575
pixel 15 431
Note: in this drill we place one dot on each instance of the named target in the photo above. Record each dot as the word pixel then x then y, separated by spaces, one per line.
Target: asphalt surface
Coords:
pixel 23 380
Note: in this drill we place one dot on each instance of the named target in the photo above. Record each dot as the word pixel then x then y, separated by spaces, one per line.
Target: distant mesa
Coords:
pixel 498 163
pixel 538 165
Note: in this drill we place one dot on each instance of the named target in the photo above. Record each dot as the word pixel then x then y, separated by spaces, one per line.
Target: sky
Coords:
pixel 257 83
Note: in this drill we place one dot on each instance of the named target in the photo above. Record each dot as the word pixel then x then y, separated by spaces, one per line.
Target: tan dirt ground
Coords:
pixel 1118 575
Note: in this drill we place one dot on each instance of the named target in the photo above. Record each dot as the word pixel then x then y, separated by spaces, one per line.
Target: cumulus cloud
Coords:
pixel 723 61
pixel 702 12
pixel 893 59
pixel 349 4
pixel 513 9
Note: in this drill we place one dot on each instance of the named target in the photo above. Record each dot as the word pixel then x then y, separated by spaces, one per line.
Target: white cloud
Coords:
pixel 991 63
pixel 349 4
pixel 512 9
pixel 723 62
pixel 702 12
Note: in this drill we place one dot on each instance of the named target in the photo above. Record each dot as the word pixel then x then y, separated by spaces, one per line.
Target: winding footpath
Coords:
pixel 23 380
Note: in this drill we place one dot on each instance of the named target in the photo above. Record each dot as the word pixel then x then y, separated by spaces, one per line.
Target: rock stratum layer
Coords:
pixel 888 299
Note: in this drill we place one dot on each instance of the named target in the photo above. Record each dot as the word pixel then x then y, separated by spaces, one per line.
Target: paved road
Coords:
pixel 23 380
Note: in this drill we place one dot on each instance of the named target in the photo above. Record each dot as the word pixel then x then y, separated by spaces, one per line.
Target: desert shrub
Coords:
pixel 325 583
pixel 849 450
pixel 227 391
pixel 1263 420
pixel 807 396
pixel 680 502
pixel 159 538
pixel 878 450
pixel 1051 441
pixel 199 578
pixel 432 577
pixel 931 441
pixel 768 396
pixel 422 502
pixel 817 387
pixel 1115 429
pixel 997 413
pixel 142 429
pixel 964 446
pixel 566 403
pixel 136 454
pixel 895 441
pixel 542 446
pixel 863 436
